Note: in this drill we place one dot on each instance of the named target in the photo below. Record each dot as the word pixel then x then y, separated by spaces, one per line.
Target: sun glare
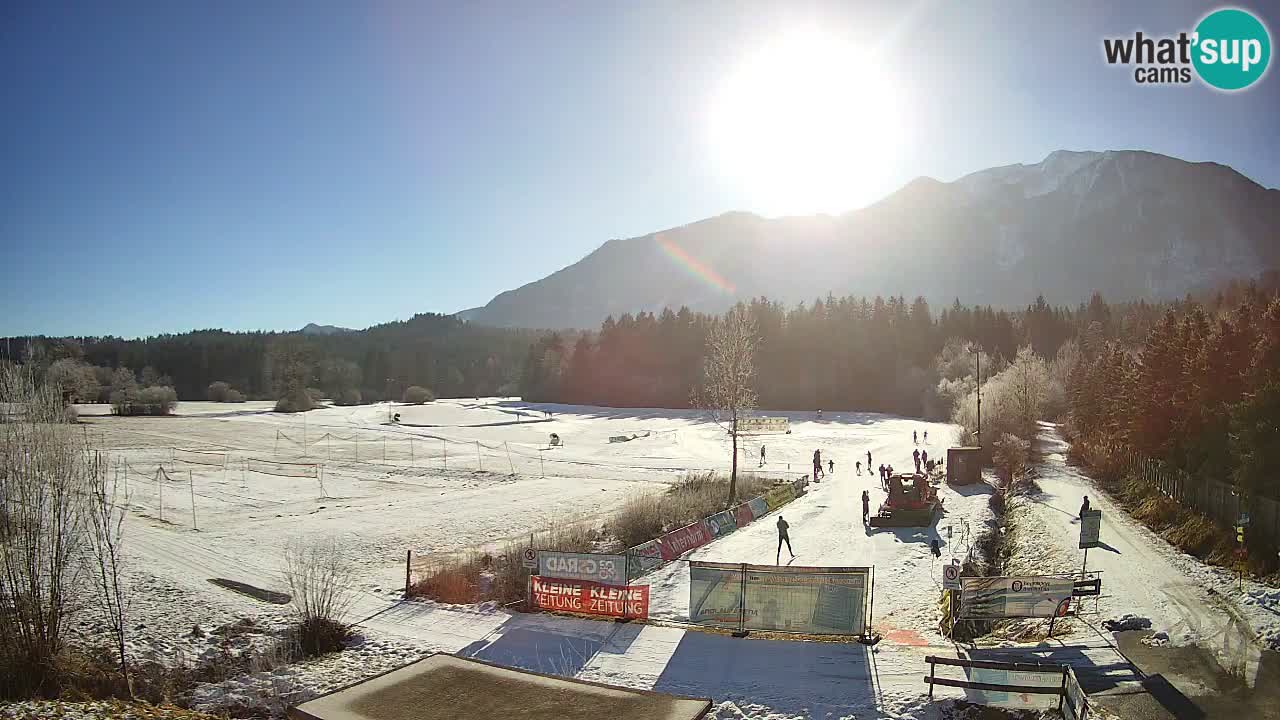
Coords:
pixel 805 124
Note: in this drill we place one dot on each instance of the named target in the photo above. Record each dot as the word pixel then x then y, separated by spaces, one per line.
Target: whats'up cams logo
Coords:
pixel 1229 50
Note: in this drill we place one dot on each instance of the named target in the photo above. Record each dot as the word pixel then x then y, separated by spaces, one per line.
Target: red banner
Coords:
pixel 678 542
pixel 744 515
pixel 588 598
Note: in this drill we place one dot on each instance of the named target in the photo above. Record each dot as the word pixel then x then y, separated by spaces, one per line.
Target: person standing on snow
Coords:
pixel 1084 506
pixel 866 506
pixel 915 455
pixel 783 536
pixel 831 467
pixel 868 459
pixel 858 465
pixel 761 456
pixel 915 438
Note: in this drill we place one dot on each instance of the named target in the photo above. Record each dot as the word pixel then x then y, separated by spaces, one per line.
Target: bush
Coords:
pixel 320 580
pixel 223 392
pixel 295 402
pixel 316 395
pixel 416 395
pixel 350 396
pixel 156 400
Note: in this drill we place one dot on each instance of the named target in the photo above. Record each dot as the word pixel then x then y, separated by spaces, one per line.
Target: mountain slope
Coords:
pixel 1129 224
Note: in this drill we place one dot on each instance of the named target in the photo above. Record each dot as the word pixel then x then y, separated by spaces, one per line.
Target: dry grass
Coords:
pixel 479 576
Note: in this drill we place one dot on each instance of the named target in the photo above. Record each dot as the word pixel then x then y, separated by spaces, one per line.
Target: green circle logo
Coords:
pixel 1232 49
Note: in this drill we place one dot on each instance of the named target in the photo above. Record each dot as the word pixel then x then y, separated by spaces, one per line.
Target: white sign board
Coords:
pixel 950 577
pixel 1021 701
pixel 1009 597
pixel 529 558
pixel 1090 528
pixel 605 569
pixel 763 425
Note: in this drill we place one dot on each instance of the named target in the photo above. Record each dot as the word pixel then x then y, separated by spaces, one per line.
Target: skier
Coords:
pixel 915 438
pixel 831 467
pixel 915 455
pixel 761 456
pixel 858 465
pixel 868 459
pixel 819 413
pixel 783 537
pixel 1084 506
pixel 924 458
pixel 926 437
pixel 817 464
pixel 866 506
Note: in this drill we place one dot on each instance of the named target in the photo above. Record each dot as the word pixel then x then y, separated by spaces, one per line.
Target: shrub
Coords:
pixel 350 396
pixel 298 401
pixel 320 579
pixel 234 396
pixel 316 395
pixel 157 400
pixel 416 395
pixel 223 392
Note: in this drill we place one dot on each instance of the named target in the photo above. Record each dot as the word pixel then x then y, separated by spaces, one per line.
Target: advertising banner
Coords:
pixel 643 558
pixel 589 598
pixel 1090 528
pixel 758 507
pixel 779 496
pixel 721 523
pixel 1009 597
pixel 763 425
pixel 609 569
pixel 1022 701
pixel 827 601
pixel 742 515
pixel 678 542
pixel 715 594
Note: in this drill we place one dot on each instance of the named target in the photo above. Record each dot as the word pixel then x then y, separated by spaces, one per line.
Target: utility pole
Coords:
pixel 977 354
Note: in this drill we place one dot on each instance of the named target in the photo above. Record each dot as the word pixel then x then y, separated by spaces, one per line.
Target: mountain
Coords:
pixel 1128 224
pixel 314 329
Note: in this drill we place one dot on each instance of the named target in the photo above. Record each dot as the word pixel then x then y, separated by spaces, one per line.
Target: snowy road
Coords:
pixel 1141 573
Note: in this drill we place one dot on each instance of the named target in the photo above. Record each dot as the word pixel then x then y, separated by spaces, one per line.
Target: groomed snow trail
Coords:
pixel 1141 573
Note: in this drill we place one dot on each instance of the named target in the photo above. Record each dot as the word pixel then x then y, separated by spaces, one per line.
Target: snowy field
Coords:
pixel 458 474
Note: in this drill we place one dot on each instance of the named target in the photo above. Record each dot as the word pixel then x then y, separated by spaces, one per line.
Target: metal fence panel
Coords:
pixel 715 594
pixel 817 601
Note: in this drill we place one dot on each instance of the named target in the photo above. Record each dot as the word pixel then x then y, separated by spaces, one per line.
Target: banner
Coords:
pixel 589 598
pixel 742 515
pixel 779 496
pixel 1010 597
pixel 1022 701
pixel 643 558
pixel 610 569
pixel 763 425
pixel 678 542
pixel 715 594
pixel 818 601
pixel 759 508
pixel 721 523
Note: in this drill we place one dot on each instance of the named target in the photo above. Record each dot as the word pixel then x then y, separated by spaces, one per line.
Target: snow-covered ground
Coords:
pixel 418 499
pixel 1142 574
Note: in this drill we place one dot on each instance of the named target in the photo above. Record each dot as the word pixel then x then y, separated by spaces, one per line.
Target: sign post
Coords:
pixel 1090 535
pixel 529 559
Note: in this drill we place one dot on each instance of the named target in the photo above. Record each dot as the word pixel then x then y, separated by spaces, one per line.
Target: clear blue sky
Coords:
pixel 170 165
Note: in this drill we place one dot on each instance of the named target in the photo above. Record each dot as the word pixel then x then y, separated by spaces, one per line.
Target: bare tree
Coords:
pixel 106 510
pixel 728 385
pixel 45 474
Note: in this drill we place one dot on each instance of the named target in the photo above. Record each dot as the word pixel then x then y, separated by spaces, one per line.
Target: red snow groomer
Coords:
pixel 912 502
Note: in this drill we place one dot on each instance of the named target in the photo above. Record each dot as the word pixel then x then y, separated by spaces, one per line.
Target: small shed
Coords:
pixel 447 687
pixel 964 465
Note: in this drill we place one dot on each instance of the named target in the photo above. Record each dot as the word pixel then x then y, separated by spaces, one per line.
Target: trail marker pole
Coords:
pixel 408 562
pixel 192 484
pixel 479 460
pixel 542 463
pixel 1084 567
pixel 513 465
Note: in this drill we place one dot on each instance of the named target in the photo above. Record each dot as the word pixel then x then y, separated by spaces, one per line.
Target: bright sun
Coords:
pixel 805 125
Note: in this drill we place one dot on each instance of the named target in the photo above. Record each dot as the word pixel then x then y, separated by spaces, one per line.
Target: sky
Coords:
pixel 174 165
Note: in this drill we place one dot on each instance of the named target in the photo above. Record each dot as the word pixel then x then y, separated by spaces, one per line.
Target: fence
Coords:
pixel 1220 502
pixel 805 600
pixel 1018 686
